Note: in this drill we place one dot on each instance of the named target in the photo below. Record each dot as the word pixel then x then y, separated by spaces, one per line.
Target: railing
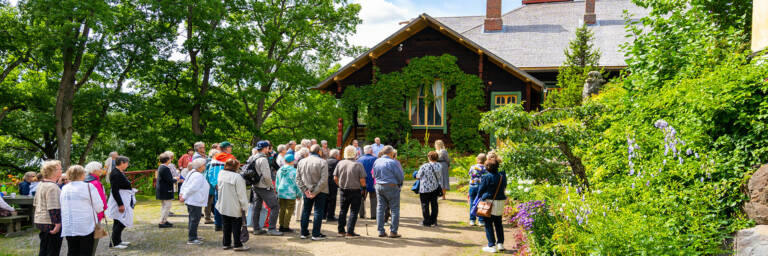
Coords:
pixel 134 176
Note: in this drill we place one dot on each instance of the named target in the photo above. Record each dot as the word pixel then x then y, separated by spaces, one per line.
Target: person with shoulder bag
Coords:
pixel 491 205
pixel 78 213
pixel 430 188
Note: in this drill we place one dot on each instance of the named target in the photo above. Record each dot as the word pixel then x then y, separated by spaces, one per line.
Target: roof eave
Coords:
pixel 425 18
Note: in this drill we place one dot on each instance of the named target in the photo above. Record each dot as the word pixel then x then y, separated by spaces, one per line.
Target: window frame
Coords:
pixel 426 111
pixel 492 99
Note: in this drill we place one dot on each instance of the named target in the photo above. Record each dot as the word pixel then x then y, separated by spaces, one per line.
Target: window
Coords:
pixel 499 99
pixel 425 112
pixel 502 100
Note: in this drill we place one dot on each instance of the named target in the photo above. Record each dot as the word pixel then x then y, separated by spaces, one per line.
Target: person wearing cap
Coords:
pixel 215 166
pixel 263 191
pixel 287 193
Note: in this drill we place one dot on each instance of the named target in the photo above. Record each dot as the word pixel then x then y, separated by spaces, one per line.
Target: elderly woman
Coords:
pixel 194 193
pixel 24 185
pixel 281 150
pixel 287 193
pixel 80 201
pixel 94 173
pixel 48 208
pixel 164 190
pixel 491 190
pixel 445 165
pixel 430 184
pixel 350 176
pixel 121 201
pixel 232 202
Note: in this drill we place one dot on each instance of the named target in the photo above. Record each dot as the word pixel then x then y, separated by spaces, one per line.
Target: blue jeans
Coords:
pixel 387 197
pixel 472 195
pixel 216 215
pixel 494 222
pixel 317 219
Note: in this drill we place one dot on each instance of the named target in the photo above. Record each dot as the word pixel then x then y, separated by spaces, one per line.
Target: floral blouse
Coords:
pixel 429 176
pixel 476 172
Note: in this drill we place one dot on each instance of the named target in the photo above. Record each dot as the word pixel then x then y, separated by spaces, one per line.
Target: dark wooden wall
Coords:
pixel 430 42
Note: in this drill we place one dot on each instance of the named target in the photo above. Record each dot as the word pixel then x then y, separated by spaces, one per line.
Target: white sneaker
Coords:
pixel 319 238
pixel 500 247
pixel 120 246
pixel 125 243
pixel 195 242
pixel 489 249
pixel 471 222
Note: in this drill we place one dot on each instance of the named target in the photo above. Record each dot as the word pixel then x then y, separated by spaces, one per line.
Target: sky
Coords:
pixel 381 17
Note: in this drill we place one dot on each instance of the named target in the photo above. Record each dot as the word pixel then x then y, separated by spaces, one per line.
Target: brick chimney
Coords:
pixel 493 16
pixel 590 18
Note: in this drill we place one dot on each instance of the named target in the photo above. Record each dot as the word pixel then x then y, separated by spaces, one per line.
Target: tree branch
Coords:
pixel 13 65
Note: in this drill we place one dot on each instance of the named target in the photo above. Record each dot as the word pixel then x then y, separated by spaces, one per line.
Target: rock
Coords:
pixel 752 241
pixel 592 84
pixel 757 207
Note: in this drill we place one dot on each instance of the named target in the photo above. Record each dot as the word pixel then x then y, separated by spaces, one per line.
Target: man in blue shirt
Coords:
pixel 377 146
pixel 388 174
pixel 367 161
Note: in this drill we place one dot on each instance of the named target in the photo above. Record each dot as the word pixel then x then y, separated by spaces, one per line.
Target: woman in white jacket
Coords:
pixel 80 203
pixel 232 203
pixel 194 193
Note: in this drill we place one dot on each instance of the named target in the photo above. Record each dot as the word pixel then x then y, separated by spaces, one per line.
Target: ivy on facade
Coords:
pixel 384 100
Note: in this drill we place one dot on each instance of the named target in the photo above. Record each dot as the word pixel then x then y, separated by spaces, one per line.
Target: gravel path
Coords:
pixel 452 237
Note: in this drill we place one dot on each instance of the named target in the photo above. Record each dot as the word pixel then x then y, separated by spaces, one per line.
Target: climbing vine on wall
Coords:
pixel 387 116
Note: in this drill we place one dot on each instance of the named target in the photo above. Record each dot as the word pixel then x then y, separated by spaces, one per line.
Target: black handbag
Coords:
pixel 244 230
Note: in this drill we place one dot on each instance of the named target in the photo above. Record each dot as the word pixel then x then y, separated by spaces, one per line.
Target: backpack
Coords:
pixel 250 174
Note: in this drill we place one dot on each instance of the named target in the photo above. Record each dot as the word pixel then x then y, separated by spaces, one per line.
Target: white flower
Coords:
pixel 526 189
pixel 520 187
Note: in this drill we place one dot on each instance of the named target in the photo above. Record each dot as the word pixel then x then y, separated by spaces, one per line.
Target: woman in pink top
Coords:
pixel 94 175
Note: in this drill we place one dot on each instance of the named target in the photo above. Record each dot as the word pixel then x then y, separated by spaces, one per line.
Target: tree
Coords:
pixel 541 144
pixel 278 48
pixel 79 38
pixel 580 58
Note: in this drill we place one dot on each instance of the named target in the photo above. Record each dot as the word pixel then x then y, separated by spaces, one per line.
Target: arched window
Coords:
pixel 424 112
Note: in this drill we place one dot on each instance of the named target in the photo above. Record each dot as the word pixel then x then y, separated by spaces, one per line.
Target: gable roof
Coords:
pixel 534 36
pixel 414 27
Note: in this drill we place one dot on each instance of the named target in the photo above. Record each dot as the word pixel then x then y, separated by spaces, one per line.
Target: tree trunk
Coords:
pixel 63 114
pixel 576 166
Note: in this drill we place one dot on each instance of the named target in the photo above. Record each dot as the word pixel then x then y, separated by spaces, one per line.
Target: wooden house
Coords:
pixel 516 54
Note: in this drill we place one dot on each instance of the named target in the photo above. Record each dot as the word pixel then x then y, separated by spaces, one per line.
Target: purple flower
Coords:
pixel 681 159
pixel 689 152
pixel 701 179
pixel 633 185
pixel 648 183
pixel 661 124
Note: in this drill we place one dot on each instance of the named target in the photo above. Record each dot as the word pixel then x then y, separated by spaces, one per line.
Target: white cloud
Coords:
pixel 380 19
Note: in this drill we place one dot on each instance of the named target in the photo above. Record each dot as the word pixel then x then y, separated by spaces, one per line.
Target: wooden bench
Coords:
pixel 12 223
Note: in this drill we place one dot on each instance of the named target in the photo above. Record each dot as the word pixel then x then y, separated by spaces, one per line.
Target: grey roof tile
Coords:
pixel 536 35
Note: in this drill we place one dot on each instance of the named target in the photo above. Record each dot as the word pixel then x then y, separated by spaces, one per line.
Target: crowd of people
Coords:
pixel 263 192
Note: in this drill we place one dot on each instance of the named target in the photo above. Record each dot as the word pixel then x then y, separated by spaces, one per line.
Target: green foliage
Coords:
pixel 386 117
pixel 539 145
pixel 657 190
pixel 244 76
pixel 581 57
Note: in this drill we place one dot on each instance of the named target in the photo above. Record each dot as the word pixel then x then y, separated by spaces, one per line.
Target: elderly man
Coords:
pixel 367 161
pixel 326 150
pixel 199 148
pixel 389 178
pixel 313 142
pixel 377 146
pixel 312 179
pixel 263 191
pixel 291 148
pixel 333 188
